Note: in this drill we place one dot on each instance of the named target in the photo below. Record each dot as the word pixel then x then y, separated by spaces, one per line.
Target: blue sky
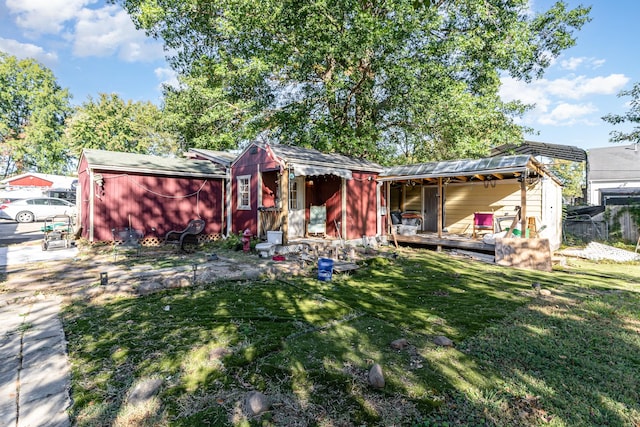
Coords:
pixel 92 47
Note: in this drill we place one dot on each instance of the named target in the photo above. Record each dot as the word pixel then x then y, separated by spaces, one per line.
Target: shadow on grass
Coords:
pixel 309 345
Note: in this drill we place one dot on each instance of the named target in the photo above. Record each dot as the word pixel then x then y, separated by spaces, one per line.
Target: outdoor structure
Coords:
pixel 304 192
pixel 148 193
pixel 444 196
pixel 34 184
pixel 613 175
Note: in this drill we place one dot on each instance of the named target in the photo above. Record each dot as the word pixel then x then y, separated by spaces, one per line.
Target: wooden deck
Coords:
pixel 447 241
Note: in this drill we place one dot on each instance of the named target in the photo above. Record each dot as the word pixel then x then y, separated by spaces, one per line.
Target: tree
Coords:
pixel 632 116
pixel 370 78
pixel 110 123
pixel 33 109
pixel 201 116
pixel 572 176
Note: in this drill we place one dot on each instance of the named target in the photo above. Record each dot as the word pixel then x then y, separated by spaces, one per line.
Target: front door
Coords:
pixel 430 208
pixel 296 207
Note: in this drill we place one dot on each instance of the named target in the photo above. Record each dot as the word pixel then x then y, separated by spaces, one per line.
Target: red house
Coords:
pixel 304 192
pixel 149 193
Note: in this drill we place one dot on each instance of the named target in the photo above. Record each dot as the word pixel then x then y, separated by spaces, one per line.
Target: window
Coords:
pixel 244 192
pixel 293 196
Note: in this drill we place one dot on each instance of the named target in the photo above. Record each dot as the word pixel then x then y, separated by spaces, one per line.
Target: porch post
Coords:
pixel 284 200
pixel 440 207
pixel 227 202
pixel 259 203
pixel 523 205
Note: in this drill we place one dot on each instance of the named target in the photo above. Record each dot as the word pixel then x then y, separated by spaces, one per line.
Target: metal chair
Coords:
pixel 193 228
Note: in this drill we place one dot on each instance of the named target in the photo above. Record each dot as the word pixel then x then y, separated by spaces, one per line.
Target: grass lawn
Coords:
pixel 568 359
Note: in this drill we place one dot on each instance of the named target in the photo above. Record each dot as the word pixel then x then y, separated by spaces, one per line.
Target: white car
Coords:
pixel 36 209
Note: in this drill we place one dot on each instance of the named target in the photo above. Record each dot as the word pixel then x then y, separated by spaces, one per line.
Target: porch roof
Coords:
pixel 486 168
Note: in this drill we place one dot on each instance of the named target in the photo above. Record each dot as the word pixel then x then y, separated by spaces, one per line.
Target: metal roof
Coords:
pixel 310 156
pixel 144 163
pixel 453 168
pixel 532 148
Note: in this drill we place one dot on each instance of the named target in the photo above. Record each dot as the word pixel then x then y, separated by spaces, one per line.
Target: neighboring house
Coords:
pixel 613 175
pixel 304 192
pixel 149 193
pixel 446 194
pixel 34 184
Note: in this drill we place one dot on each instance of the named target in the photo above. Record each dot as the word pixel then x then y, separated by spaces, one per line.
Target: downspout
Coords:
pixel 259 201
pixel 378 209
pixel 92 194
pixel 284 200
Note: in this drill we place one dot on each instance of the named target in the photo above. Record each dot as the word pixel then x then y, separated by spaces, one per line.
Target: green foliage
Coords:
pixel 110 123
pixel 33 109
pixel 400 80
pixel 572 175
pixel 632 117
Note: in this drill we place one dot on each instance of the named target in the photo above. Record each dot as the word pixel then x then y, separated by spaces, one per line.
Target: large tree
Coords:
pixel 111 123
pixel 373 78
pixel 631 117
pixel 33 109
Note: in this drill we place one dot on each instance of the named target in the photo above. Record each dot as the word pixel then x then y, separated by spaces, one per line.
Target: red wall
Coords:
pixel 361 205
pixel 252 160
pixel 147 201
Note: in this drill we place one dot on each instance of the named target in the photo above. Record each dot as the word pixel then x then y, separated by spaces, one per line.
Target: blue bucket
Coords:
pixel 325 269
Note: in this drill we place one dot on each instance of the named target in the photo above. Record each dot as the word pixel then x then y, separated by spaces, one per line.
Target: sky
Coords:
pixel 92 47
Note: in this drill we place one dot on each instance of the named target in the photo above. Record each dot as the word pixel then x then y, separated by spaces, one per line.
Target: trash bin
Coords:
pixel 325 269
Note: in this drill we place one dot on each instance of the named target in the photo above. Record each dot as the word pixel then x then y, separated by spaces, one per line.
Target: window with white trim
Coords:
pixel 244 192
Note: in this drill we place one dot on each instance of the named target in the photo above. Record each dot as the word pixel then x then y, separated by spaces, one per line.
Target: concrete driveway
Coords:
pixel 20 243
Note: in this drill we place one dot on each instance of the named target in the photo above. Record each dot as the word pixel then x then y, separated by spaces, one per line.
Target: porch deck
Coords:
pixel 448 240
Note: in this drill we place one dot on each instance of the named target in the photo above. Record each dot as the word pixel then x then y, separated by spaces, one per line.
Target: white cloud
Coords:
pixel 45 17
pixel 109 31
pixel 573 63
pixel 554 99
pixel 166 76
pixel 28 50
pixel 565 114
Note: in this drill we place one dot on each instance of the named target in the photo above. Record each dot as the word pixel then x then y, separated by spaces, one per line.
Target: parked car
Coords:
pixel 36 209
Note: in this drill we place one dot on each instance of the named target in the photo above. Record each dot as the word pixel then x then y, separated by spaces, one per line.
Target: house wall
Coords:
pixel 145 202
pixel 594 196
pixel 251 162
pixel 361 205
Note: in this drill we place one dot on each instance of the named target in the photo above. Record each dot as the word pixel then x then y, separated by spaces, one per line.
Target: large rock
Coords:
pixel 399 344
pixel 144 390
pixel 256 403
pixel 443 341
pixel 376 376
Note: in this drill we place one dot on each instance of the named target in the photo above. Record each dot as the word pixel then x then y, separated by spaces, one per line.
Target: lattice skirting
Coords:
pixel 157 241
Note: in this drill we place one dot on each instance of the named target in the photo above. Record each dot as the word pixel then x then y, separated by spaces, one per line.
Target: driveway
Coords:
pixel 20 243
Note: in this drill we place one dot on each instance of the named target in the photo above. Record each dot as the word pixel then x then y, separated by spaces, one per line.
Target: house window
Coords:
pixel 293 196
pixel 244 192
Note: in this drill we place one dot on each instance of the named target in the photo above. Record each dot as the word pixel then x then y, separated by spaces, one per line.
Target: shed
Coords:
pixel 149 193
pixel 303 192
pixel 445 195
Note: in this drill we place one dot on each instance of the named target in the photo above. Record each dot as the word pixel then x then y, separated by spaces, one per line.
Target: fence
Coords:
pixel 588 229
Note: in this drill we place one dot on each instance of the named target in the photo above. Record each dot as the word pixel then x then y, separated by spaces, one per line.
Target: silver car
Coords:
pixel 36 209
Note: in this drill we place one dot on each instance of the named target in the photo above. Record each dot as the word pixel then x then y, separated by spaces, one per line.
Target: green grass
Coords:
pixel 568 359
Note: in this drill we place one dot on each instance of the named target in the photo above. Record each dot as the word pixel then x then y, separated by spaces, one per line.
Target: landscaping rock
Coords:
pixel 256 403
pixel 147 288
pixel 443 341
pixel 376 376
pixel 176 282
pixel 144 390
pixel 399 344
pixel 545 292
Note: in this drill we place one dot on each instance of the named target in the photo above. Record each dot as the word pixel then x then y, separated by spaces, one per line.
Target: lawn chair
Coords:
pixel 193 228
pixel 126 239
pixel 482 221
